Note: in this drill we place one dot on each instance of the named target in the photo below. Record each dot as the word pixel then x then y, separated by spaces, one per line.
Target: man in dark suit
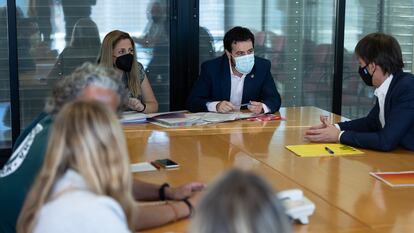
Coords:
pixel 391 122
pixel 236 79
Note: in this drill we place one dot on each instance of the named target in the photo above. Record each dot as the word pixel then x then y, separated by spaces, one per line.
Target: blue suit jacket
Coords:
pixel 399 120
pixel 214 84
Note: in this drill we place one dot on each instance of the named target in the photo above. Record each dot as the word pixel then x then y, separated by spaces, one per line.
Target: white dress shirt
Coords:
pixel 380 93
pixel 236 93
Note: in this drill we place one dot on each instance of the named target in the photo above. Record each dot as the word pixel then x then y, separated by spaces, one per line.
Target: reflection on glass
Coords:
pixel 84 47
pixel 296 36
pixel 55 37
pixel 5 121
pixel 73 10
pixel 155 39
pixel 206 45
pixel 357 98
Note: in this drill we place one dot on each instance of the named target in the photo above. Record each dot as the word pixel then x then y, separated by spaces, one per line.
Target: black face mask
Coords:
pixel 365 75
pixel 124 62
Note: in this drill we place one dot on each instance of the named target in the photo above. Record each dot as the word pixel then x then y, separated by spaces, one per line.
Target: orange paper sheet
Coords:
pixel 396 179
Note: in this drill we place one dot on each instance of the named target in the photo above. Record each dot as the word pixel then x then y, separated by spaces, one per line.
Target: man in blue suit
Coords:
pixel 235 80
pixel 391 122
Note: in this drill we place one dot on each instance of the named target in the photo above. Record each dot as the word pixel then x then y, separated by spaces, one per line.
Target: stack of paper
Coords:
pixel 174 119
pixel 177 119
pixel 173 114
pixel 133 117
pixel 215 117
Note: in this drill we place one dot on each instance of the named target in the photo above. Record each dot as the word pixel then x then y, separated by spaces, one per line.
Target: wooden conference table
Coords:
pixel 347 198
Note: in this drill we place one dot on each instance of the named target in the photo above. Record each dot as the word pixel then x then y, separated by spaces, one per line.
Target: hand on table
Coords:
pixel 183 191
pixel 225 106
pixel 255 107
pixel 135 104
pixel 324 123
pixel 323 133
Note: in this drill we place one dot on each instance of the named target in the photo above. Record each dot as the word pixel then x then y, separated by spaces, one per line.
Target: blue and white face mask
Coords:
pixel 244 64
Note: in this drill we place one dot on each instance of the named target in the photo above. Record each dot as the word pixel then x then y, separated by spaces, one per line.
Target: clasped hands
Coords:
pixel 226 106
pixel 323 132
pixel 135 104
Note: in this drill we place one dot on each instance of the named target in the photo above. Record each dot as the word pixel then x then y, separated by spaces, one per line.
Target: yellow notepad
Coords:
pixel 321 150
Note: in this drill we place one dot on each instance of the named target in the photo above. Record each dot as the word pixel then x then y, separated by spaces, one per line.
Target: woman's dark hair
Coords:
pixel 382 49
pixel 237 34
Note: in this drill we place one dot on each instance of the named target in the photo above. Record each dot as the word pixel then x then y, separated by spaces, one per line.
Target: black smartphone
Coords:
pixel 167 163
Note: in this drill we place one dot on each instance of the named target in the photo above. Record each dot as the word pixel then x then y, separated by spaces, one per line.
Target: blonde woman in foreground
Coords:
pixel 85 182
pixel 240 202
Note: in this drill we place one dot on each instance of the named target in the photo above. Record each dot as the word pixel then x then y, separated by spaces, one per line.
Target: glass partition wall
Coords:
pixel 5 120
pixel 54 37
pixel 298 37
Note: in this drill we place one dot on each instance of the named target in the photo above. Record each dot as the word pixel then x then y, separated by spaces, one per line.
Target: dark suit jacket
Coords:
pixel 399 120
pixel 214 84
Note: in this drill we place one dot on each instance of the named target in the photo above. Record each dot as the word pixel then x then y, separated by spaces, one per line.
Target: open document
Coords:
pixel 200 118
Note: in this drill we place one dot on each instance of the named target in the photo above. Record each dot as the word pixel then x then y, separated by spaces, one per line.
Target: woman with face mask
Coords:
pixel 118 51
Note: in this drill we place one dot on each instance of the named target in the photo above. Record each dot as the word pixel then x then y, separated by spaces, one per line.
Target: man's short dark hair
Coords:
pixel 237 34
pixel 382 49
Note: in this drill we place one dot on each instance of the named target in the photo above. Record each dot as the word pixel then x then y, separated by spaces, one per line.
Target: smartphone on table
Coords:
pixel 167 163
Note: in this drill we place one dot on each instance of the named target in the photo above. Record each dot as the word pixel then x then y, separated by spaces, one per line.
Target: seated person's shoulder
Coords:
pixel 39 119
pixel 406 82
pixel 27 157
pixel 215 62
pixel 261 61
pixel 102 213
pixel 140 66
pixel 408 78
pixel 87 203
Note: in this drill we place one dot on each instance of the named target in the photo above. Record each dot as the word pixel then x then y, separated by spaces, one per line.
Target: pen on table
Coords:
pixel 329 150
